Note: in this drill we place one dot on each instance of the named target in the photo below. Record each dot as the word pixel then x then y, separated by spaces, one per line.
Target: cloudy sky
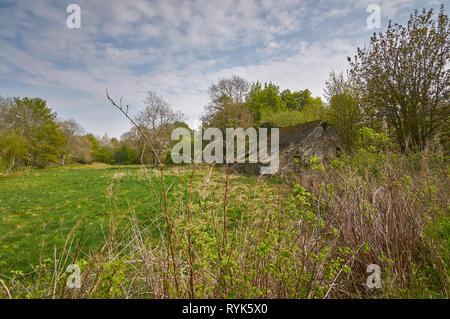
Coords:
pixel 175 48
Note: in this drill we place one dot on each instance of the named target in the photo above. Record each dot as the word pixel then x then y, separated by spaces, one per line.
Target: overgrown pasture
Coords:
pixel 40 208
pixel 207 232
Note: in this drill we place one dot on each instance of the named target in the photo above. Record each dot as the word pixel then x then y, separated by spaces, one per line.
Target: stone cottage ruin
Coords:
pixel 299 143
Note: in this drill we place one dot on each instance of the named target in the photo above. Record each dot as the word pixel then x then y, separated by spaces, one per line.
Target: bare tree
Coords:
pixel 5 106
pixel 225 92
pixel 78 147
pixel 132 136
pixel 158 120
pixel 236 88
pixel 232 115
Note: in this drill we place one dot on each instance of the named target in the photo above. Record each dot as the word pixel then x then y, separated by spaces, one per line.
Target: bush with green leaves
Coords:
pixel 30 134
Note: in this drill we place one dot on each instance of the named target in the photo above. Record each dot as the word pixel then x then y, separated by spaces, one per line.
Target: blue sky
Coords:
pixel 176 49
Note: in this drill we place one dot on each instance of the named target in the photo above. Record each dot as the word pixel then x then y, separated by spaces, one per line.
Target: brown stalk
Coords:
pixel 6 289
pixel 41 255
pixel 191 268
pixel 161 168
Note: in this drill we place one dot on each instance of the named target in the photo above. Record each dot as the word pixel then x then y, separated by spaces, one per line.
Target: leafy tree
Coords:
pixel 13 150
pixel 344 111
pixel 32 125
pixel 285 118
pixel 265 99
pixel 125 155
pixel 403 77
pixel 45 137
pixel 102 148
pixel 94 145
pixel 104 154
pixel 294 108
pixel 296 100
pixel 134 139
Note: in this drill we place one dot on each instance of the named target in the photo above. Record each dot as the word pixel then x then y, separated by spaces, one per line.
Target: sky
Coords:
pixel 176 49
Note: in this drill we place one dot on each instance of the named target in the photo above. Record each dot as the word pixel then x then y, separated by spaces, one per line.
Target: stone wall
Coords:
pixel 300 143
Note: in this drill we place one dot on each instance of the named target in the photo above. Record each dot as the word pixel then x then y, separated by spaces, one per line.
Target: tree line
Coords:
pixel 31 135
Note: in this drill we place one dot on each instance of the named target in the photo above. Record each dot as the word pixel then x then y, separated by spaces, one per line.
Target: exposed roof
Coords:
pixel 295 134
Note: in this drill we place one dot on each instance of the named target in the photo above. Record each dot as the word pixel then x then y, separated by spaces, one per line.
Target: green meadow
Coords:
pixel 44 206
pixel 60 198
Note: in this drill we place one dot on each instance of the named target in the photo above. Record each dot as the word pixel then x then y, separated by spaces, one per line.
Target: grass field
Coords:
pixel 61 197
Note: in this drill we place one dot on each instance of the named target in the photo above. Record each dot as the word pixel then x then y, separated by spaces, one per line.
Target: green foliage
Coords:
pixel 111 278
pixel 231 115
pixel 311 111
pixel 94 142
pixel 296 100
pixel 14 148
pixel 32 136
pixel 369 157
pixel 345 116
pixel 125 155
pixel 403 78
pixel 238 236
pixel 45 138
pixel 265 99
pixel 316 164
pixel 344 110
pixel 373 141
pixel 104 154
